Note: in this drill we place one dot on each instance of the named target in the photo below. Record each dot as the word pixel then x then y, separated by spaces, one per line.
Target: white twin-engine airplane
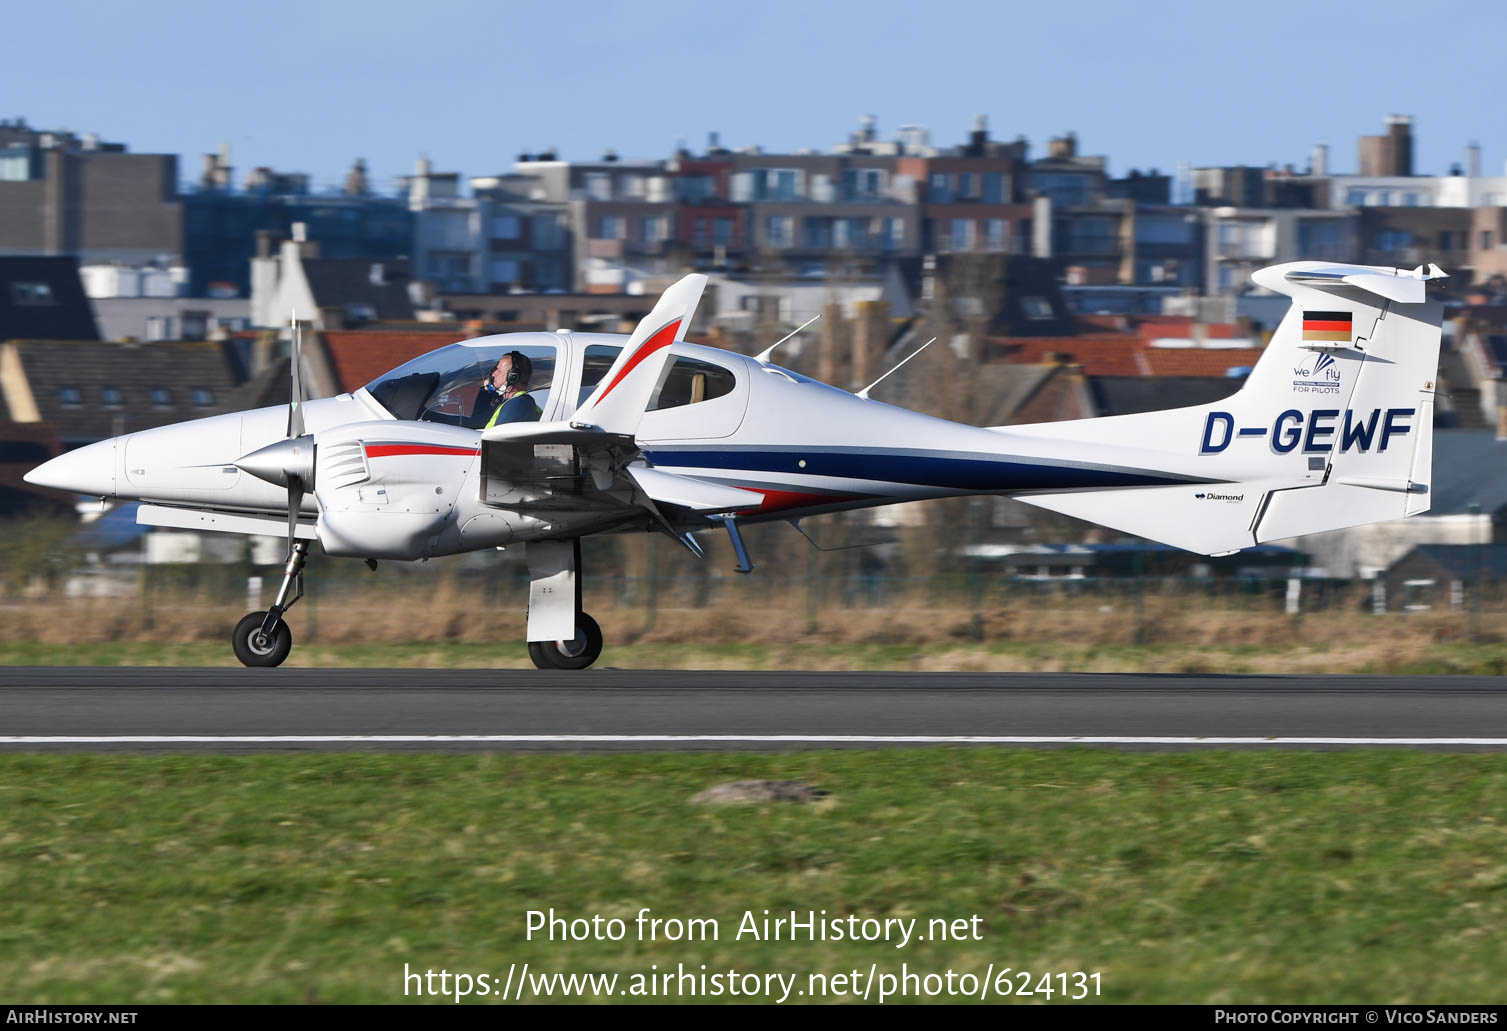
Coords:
pixel 1333 428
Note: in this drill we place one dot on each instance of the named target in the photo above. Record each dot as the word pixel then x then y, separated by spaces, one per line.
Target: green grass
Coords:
pixel 1197 877
pixel 994 656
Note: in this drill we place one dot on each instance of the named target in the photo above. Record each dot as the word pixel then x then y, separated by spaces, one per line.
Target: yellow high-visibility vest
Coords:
pixel 501 404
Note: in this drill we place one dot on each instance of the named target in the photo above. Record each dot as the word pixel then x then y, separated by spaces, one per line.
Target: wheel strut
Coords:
pixel 292 586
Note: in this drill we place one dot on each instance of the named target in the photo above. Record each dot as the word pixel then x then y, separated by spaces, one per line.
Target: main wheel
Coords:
pixel 255 648
pixel 576 654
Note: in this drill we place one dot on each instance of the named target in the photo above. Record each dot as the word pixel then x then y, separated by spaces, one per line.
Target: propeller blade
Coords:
pixel 295 499
pixel 295 403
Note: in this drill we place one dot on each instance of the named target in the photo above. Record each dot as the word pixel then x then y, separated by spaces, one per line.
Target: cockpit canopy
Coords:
pixel 445 385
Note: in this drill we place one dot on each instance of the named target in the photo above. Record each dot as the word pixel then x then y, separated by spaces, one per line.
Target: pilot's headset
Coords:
pixel 520 370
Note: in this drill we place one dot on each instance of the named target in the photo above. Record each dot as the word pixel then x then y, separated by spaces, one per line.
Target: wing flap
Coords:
pixel 689 492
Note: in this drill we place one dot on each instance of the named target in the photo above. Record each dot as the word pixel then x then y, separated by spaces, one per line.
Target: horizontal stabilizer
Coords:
pixel 689 492
pixel 1398 285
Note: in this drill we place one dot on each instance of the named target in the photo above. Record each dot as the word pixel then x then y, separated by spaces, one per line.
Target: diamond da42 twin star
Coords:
pixel 648 432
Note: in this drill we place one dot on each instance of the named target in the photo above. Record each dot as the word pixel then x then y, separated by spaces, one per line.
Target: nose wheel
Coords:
pixel 262 638
pixel 255 646
pixel 577 653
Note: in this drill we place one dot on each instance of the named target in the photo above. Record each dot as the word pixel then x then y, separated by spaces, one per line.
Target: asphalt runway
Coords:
pixel 236 710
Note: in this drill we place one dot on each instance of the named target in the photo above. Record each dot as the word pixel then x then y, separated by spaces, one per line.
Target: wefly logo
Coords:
pixel 1312 368
pixel 1317 375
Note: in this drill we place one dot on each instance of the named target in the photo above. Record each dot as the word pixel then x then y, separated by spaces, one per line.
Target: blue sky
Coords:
pixel 310 86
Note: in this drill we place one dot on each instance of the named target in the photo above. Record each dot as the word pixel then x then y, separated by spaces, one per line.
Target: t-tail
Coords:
pixel 1333 428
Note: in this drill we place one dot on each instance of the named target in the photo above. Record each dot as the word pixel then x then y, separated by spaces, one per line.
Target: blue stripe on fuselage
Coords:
pixel 919 470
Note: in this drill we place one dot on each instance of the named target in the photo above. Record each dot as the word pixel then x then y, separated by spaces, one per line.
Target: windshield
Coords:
pixel 446 385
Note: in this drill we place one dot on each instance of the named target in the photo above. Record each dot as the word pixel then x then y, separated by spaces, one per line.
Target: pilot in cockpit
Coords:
pixel 504 397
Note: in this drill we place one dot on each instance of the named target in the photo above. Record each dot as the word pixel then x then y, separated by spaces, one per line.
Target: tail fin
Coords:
pixel 618 403
pixel 1334 427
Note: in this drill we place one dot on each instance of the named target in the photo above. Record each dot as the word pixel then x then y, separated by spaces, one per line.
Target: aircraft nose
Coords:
pixel 87 470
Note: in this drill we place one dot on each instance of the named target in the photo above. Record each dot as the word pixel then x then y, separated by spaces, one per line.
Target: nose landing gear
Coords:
pixel 262 638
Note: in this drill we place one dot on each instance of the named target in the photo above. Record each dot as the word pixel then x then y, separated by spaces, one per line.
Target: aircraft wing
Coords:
pixel 618 403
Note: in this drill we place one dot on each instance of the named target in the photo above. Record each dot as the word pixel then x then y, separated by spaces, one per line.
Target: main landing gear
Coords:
pixel 560 635
pixel 262 638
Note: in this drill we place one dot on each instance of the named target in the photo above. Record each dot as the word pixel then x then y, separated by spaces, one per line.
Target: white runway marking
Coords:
pixel 757 739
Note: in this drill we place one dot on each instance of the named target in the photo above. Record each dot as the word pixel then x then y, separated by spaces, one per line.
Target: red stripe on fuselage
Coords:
pixel 1310 324
pixel 393 450
pixel 778 500
pixel 664 338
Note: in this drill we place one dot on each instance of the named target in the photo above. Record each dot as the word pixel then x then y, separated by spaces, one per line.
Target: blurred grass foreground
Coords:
pixel 1235 877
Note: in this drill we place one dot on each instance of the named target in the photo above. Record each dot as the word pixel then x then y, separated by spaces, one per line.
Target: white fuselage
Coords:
pixel 389 487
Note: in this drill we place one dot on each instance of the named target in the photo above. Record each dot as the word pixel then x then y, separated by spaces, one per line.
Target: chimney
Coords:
pixel 355 179
pixel 1399 145
pixel 979 136
pixel 869 131
pixel 222 167
pixel 300 232
pixel 378 274
pixel 1473 160
pixel 1320 159
pixel 713 143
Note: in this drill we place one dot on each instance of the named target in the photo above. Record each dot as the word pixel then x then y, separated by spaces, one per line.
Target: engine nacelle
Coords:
pixel 389 489
pixel 380 534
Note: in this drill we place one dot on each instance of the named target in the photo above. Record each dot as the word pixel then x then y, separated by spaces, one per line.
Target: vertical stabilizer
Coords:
pixel 1333 428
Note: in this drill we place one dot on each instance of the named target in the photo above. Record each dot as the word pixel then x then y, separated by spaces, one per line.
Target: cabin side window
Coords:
pixel 689 381
pixel 598 360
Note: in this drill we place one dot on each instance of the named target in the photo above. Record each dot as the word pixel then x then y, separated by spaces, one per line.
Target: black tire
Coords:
pixel 577 654
pixel 255 649
pixel 541 658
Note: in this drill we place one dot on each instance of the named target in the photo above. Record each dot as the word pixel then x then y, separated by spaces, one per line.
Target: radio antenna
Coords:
pixel 763 356
pixel 864 393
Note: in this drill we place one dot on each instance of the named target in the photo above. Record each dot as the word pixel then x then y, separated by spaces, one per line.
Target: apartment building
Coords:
pixel 66 194
pixel 508 234
pixel 1241 240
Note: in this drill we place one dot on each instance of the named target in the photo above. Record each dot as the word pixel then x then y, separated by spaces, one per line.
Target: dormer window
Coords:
pixel 203 398
pixel 161 397
pixel 70 396
pixel 110 397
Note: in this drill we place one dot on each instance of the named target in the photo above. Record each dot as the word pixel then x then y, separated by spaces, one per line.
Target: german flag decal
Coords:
pixel 1326 325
